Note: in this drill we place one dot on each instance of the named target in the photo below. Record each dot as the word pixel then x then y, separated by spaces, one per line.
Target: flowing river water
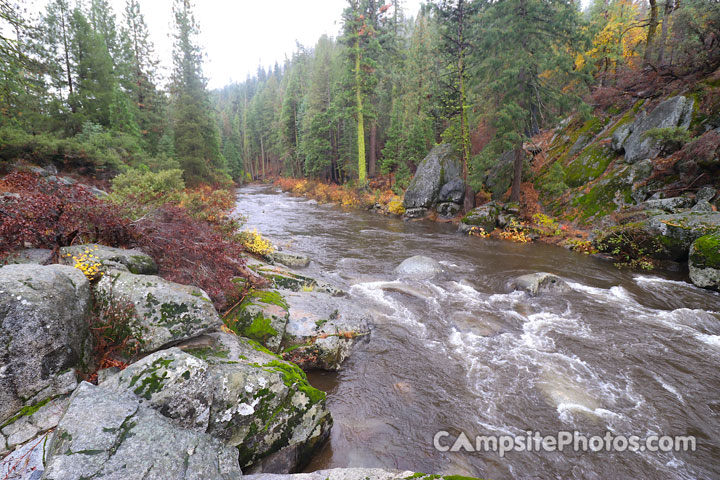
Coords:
pixel 625 352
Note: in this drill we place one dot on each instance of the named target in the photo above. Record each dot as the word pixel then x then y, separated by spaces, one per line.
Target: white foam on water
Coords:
pixel 668 387
pixel 712 340
pixel 448 264
pixel 374 291
pixel 566 410
pixel 643 281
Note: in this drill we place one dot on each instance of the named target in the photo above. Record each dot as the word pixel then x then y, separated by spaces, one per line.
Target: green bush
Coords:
pixel 140 190
pixel 669 135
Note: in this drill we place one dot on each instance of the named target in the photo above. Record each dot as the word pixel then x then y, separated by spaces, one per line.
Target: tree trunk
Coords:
pixel 652 30
pixel 372 164
pixel 517 175
pixel 362 177
pixel 66 48
pixel 262 157
pixel 669 7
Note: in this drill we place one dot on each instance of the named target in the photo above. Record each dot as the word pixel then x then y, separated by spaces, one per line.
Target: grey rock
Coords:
pixel 706 193
pixel 579 144
pixel 289 259
pixel 3 446
pixel 541 282
pixel 343 474
pixel 229 389
pixel 702 206
pixel 453 191
pixel 439 167
pixel 670 205
pixel 321 330
pixel 44 332
pixel 26 462
pixel 111 436
pixel 673 112
pixel 704 262
pixel 418 212
pixel 289 280
pixel 448 209
pixel 37 256
pixel 135 261
pixel 48 416
pixel 619 136
pixel 419 267
pixel 484 216
pixel 164 312
pixel 19 432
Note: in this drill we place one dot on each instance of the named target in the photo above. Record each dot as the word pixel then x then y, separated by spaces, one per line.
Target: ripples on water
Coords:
pixel 621 352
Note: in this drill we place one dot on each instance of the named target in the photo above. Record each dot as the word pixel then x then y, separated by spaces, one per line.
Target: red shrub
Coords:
pixel 190 251
pixel 37 212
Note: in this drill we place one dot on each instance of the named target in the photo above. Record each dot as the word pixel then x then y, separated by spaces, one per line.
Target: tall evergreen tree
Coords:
pixel 197 140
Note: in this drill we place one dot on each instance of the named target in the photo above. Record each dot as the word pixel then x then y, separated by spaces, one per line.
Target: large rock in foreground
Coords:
pixel 44 333
pixel 704 261
pixel 440 167
pixel 111 436
pixel 133 261
pixel 321 331
pixel 236 391
pixel 633 139
pixel 163 312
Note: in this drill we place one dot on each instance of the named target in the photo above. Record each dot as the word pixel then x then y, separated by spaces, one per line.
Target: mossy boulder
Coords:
pixel 663 236
pixel 322 330
pixel 238 392
pixel 105 434
pixel 285 279
pixel 262 317
pixel 484 216
pixel 44 333
pixel 134 261
pixel 163 312
pixel 542 282
pixel 704 261
pixel 289 259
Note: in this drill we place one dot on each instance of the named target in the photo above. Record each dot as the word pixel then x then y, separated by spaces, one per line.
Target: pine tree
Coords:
pixel 454 18
pixel 525 60
pixel 197 140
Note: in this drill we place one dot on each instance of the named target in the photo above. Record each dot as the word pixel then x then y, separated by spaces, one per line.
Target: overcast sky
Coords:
pixel 239 35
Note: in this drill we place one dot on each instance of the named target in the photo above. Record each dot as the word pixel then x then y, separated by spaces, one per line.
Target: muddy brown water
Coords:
pixel 625 352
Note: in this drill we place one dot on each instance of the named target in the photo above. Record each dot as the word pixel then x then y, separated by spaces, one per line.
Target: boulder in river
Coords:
pixel 419 267
pixel 104 434
pixel 133 261
pixel 675 112
pixel 704 261
pixel 44 333
pixel 289 259
pixel 163 312
pixel 321 330
pixel 537 283
pixel 484 216
pixel 262 317
pixel 236 391
pixel 439 168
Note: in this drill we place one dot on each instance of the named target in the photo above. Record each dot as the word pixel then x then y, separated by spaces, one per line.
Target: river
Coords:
pixel 625 352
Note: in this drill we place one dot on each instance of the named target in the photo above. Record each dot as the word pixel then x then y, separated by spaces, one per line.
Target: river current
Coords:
pixel 621 352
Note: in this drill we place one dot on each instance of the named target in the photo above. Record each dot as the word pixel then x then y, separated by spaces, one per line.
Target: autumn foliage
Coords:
pixel 38 213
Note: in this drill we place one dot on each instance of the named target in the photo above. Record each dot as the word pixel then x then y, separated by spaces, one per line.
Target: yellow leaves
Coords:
pixel 515 235
pixel 88 263
pixel 579 61
pixel 395 206
pixel 478 232
pixel 255 243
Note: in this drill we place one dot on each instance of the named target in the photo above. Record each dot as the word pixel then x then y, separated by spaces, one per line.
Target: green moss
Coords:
pixel 706 251
pixel 294 377
pixel 269 297
pixel 150 381
pixel 205 353
pixel 256 346
pixel 591 163
pixel 260 329
pixel 26 411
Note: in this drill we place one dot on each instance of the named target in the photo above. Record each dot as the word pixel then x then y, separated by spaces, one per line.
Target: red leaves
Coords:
pixel 37 212
pixel 193 252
